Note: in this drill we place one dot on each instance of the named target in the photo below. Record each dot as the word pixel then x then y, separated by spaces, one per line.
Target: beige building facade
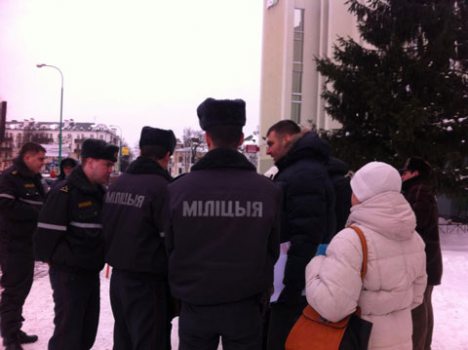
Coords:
pixel 47 134
pixel 295 32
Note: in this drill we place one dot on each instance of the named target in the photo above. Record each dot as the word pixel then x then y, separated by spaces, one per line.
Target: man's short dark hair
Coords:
pixel 225 136
pixel 31 147
pixel 285 127
pixel 153 151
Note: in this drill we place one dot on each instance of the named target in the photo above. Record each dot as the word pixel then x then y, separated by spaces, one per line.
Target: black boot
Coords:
pixel 24 338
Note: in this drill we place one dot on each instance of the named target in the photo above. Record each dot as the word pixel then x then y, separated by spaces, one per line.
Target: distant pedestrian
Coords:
pixel 417 189
pixel 308 218
pixel 66 167
pixel 21 197
pixel 133 222
pixel 222 238
pixel 396 266
pixel 69 237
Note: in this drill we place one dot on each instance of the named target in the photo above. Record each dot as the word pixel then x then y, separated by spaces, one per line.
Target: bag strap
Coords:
pixel 362 238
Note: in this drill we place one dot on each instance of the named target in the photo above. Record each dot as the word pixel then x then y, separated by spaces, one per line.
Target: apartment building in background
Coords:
pixel 295 32
pixel 47 134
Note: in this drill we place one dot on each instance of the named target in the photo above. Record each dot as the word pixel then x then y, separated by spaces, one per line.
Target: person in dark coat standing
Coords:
pixel 133 228
pixel 340 177
pixel 66 167
pixel 21 197
pixel 69 237
pixel 417 189
pixel 308 219
pixel 222 238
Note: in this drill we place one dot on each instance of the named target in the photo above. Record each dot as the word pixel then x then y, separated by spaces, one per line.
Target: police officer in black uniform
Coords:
pixel 69 237
pixel 133 229
pixel 21 197
pixel 222 237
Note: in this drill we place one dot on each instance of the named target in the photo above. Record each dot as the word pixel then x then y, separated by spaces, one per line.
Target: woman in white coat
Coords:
pixel 396 268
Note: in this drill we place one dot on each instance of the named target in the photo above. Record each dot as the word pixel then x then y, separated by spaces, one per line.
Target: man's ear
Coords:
pixel 287 138
pixel 208 140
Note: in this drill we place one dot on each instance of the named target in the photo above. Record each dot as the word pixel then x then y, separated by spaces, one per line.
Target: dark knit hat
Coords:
pixel 213 112
pixel 158 137
pixel 99 149
pixel 418 164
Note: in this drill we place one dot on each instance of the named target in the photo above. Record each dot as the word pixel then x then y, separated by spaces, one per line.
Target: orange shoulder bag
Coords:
pixel 312 332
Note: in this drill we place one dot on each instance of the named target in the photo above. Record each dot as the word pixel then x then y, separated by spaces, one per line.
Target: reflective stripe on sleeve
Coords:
pixel 31 202
pixel 85 225
pixel 6 195
pixel 51 226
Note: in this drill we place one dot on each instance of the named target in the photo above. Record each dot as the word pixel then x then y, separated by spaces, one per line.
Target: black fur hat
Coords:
pixel 99 149
pixel 419 164
pixel 158 137
pixel 213 112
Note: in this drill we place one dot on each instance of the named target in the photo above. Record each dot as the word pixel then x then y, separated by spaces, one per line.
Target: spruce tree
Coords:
pixel 404 90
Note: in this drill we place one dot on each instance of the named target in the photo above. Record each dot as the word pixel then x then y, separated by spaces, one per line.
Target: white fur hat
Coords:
pixel 375 178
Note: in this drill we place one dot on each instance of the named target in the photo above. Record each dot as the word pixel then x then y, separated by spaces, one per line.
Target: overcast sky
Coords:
pixel 130 63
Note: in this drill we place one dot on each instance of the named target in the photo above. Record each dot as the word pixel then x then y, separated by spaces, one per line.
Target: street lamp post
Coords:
pixel 41 65
pixel 120 146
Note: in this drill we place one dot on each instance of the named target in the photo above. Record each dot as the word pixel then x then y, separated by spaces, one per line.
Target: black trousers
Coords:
pixel 423 322
pixel 76 298
pixel 239 325
pixel 17 277
pixel 141 308
pixel 282 319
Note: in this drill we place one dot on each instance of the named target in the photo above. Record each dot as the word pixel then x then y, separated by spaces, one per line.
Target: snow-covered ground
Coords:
pixel 450 301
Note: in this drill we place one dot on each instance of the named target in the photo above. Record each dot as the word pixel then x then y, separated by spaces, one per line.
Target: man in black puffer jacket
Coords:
pixel 308 219
pixel 133 229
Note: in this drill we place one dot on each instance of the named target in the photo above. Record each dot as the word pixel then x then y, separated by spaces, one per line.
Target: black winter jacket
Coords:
pixel 21 198
pixel 69 231
pixel 133 219
pixel 222 234
pixel 421 197
pixel 308 208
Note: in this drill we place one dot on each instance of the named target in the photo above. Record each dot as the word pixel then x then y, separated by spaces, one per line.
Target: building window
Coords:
pixel 298 60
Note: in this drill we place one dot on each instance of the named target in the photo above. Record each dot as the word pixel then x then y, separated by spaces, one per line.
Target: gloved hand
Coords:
pixel 321 249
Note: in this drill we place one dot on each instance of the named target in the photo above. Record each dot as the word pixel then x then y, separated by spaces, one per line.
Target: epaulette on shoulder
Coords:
pixel 64 189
